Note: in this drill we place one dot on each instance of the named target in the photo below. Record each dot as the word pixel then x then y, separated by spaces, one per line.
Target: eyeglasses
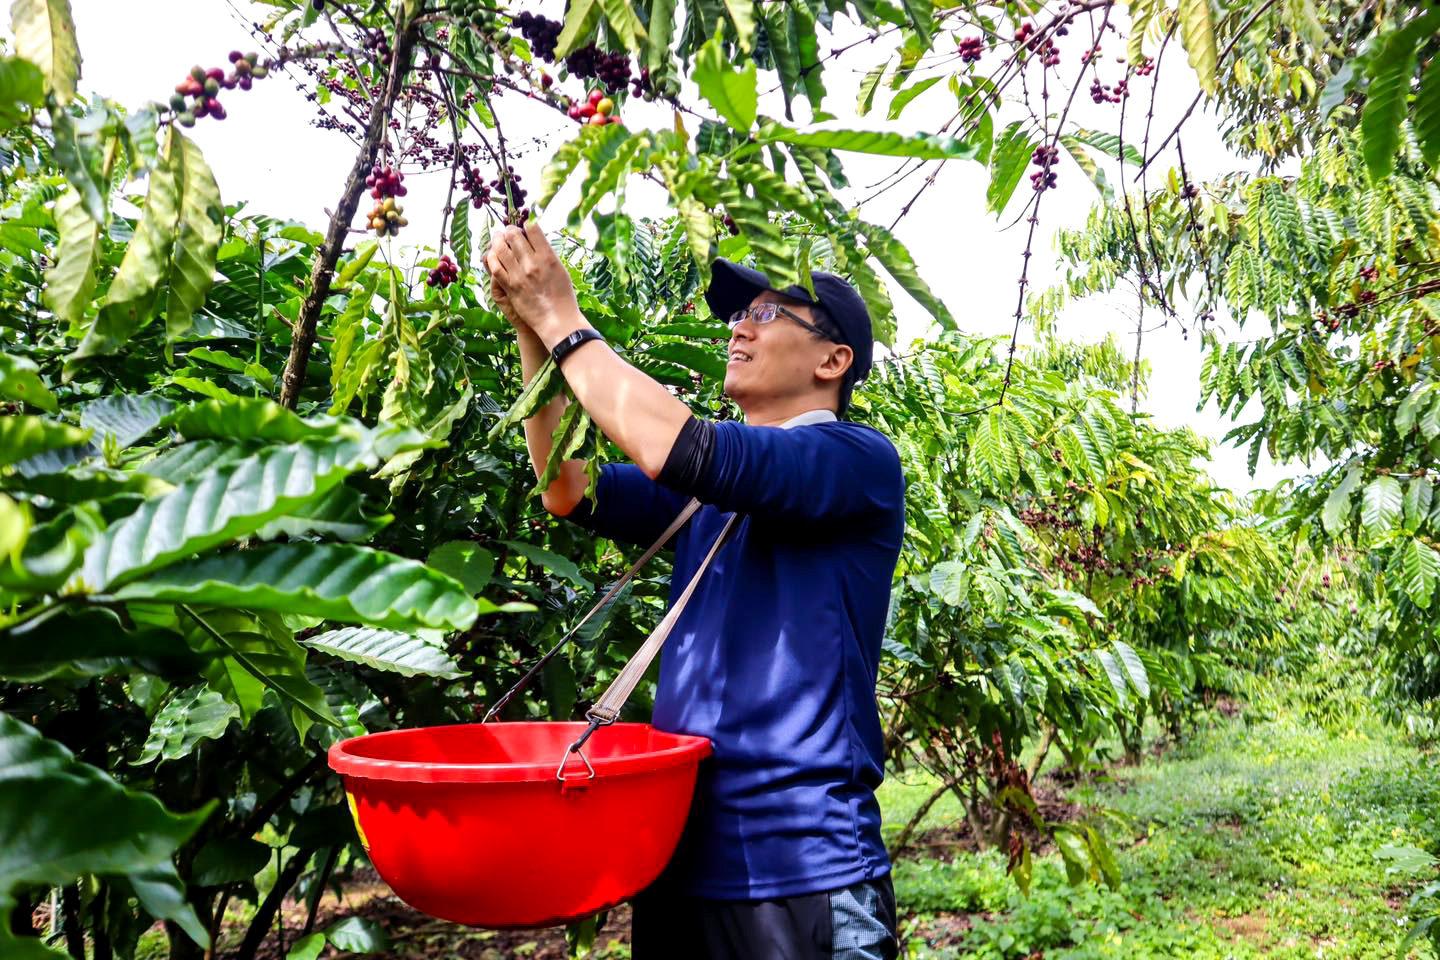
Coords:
pixel 767 312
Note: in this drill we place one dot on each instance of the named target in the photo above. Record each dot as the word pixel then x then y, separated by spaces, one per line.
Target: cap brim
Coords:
pixel 733 287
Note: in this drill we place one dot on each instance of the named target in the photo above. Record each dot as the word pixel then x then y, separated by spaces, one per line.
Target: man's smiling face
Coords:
pixel 770 361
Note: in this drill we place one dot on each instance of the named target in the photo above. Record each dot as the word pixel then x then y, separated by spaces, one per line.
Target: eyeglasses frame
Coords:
pixel 744 312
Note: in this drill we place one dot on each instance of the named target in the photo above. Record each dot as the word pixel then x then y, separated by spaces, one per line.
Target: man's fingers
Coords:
pixel 495 262
pixel 516 239
pixel 535 235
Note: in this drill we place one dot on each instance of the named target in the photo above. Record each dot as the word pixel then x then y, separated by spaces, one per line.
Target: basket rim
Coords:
pixel 688 749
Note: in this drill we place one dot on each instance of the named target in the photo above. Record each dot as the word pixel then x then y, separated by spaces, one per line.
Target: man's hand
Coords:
pixel 502 301
pixel 536 285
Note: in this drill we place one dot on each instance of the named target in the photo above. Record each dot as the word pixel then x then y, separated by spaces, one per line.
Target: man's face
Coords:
pixel 777 359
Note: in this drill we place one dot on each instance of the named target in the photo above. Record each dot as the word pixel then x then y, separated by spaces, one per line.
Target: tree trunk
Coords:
pixel 260 924
pixel 70 920
pixel 1135 370
pixel 1046 739
pixel 303 331
pixel 99 932
pixel 22 916
pixel 902 840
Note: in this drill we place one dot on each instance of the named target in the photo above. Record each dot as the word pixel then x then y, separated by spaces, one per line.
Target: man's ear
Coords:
pixel 836 362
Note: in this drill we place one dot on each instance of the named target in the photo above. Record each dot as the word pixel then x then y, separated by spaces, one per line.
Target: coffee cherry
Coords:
pixel 597 120
pixel 596 96
pixel 198 73
pixel 235 56
pixel 587 111
pixel 212 87
pixel 177 102
pixel 186 119
pixel 614 118
pixel 605 105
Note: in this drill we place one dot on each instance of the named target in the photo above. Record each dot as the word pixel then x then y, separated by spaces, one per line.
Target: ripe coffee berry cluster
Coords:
pixel 611 69
pixel 385 182
pixel 198 94
pixel 475 186
pixel 1102 93
pixel 641 87
pixel 444 274
pixel 380 43
pixel 972 48
pixel 507 185
pixel 597 111
pixel 540 33
pixel 1044 158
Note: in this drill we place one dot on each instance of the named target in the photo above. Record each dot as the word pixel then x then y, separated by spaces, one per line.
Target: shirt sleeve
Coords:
pixel 830 471
pixel 628 507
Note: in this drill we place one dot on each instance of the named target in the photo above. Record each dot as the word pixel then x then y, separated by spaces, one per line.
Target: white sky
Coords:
pixel 268 154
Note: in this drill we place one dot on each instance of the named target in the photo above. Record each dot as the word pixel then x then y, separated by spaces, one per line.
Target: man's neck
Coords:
pixel 774 416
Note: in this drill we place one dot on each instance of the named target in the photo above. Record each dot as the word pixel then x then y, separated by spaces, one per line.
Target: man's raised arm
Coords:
pixel 635 411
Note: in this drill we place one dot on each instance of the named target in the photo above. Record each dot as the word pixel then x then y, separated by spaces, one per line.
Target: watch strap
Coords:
pixel 574 340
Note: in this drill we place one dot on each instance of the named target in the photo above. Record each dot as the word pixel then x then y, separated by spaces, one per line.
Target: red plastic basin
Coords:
pixel 468 823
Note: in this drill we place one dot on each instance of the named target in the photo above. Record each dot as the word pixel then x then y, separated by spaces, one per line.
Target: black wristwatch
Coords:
pixel 574 340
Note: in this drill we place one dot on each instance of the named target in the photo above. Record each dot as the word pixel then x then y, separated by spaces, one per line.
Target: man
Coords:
pixel 775 658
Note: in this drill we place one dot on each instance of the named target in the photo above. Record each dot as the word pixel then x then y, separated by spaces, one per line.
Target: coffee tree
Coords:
pixel 1330 273
pixel 262 487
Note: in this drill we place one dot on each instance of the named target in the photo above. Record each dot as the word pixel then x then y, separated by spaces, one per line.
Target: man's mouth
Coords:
pixel 739 356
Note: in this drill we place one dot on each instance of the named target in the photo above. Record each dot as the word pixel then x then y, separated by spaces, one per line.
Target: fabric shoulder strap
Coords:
pixel 609 704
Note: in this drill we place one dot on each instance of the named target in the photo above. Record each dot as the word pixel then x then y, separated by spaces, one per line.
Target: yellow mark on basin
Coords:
pixel 355 815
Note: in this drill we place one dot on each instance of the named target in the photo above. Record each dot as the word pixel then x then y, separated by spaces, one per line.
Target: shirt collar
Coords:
pixel 809 416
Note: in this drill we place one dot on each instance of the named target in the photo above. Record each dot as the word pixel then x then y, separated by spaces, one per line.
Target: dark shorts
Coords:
pixel 852 923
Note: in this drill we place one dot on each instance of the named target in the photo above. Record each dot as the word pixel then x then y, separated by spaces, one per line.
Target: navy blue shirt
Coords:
pixel 775 657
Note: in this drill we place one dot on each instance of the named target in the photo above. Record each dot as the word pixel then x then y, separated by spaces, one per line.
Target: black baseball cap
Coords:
pixel 732 287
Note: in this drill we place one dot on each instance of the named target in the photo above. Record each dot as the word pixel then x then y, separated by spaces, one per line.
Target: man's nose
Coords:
pixel 744 329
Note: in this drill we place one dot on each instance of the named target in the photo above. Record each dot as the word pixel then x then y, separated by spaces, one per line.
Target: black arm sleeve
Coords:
pixel 690 457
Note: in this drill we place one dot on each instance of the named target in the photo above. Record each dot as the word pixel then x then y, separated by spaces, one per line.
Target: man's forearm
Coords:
pixel 635 411
pixel 564 490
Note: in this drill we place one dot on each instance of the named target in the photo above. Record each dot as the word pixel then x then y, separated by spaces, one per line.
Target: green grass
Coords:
pixel 1250 841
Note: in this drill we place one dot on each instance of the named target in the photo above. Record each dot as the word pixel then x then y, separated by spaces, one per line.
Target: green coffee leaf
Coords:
pixel 192 715
pixel 70 283
pixel 389 650
pixel 731 92
pixel 341 582
pixel 915 146
pixel 26 436
pixel 20 381
pixel 1197 34
pixel 45 35
pixel 62 818
pixel 217 507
